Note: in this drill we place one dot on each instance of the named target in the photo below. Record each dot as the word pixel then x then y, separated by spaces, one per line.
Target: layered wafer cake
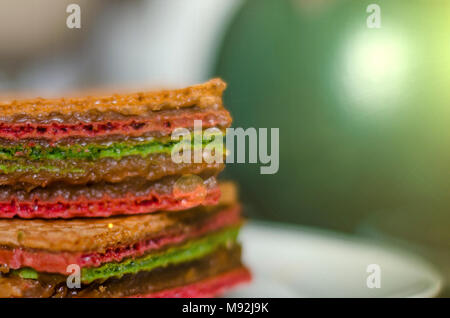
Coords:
pixel 89 192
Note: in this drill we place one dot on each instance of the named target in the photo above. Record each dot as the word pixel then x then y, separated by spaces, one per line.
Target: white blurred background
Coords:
pixel 127 43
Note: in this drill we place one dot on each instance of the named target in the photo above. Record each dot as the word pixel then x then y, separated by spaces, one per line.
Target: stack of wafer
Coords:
pixel 92 203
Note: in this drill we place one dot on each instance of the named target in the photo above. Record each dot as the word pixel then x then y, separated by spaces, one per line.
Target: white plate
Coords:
pixel 288 261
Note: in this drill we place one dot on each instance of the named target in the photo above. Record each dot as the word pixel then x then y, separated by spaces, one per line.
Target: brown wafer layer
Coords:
pixel 31 173
pixel 204 95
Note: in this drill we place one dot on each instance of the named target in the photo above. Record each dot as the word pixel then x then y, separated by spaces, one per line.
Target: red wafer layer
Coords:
pixel 161 124
pixel 108 206
pixel 51 262
pixel 206 288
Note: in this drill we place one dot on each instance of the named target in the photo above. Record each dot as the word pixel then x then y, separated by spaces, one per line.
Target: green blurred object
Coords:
pixel 363 113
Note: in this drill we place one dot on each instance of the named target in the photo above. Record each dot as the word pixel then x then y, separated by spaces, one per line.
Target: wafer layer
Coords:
pixel 134 196
pixel 105 138
pixel 207 277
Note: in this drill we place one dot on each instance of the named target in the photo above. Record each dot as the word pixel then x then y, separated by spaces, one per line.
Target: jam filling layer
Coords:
pixel 161 124
pixel 107 206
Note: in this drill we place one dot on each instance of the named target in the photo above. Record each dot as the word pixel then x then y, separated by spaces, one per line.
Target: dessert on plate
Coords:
pixel 88 187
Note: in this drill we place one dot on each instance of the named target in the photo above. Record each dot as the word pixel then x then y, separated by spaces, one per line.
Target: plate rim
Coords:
pixel 436 279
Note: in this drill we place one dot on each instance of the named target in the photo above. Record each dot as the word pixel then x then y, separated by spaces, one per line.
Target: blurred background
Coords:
pixel 363 112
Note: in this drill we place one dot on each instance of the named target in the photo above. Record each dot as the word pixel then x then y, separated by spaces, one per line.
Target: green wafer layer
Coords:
pixel 115 150
pixel 174 255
